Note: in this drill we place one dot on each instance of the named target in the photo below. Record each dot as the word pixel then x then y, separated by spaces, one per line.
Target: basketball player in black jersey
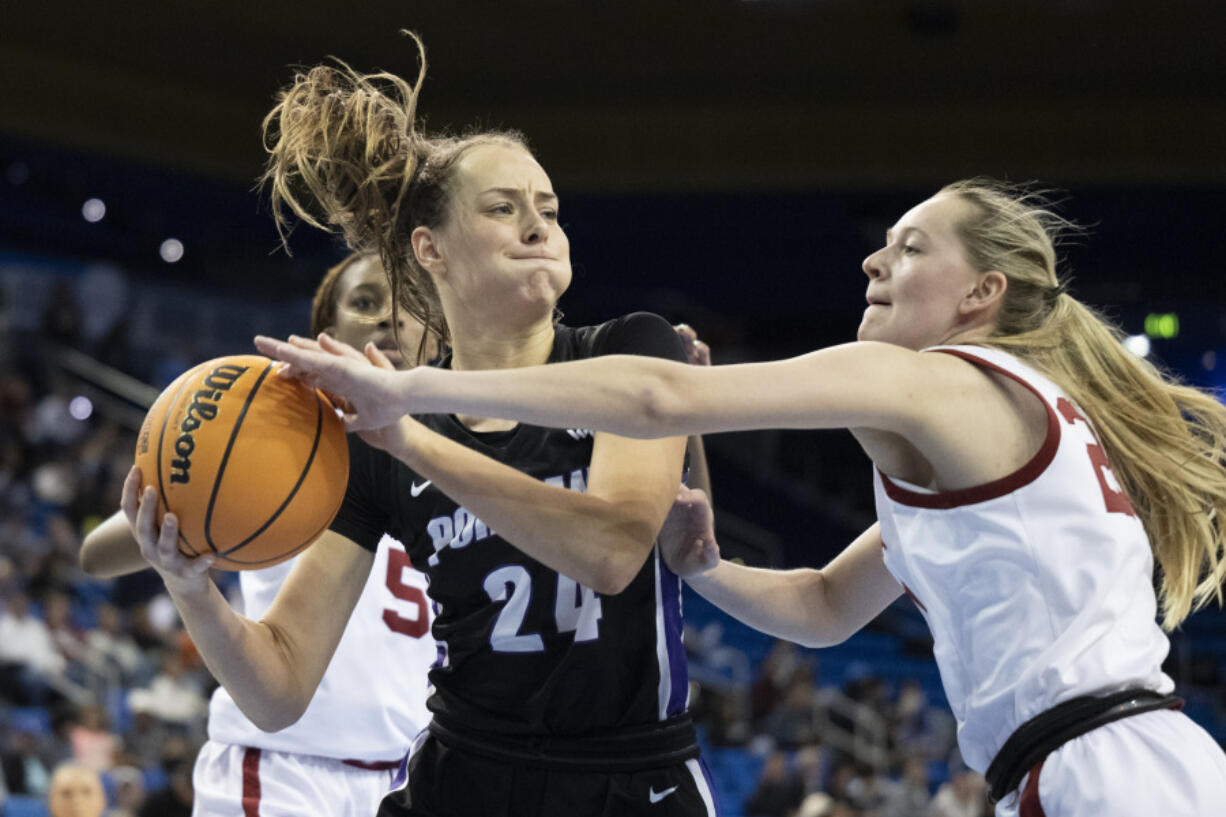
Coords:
pixel 561 685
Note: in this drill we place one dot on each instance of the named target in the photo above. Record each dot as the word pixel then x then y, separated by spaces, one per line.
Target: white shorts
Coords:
pixel 239 781
pixel 1157 764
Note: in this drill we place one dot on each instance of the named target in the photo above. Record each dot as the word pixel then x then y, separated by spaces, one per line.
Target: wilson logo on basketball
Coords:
pixel 202 409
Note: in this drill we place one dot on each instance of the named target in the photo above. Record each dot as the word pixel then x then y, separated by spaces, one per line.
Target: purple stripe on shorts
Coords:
pixel 670 599
pixel 706 773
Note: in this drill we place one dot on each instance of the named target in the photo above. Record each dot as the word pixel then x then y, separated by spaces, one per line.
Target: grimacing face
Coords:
pixel 502 246
pixel 364 314
pixel 918 279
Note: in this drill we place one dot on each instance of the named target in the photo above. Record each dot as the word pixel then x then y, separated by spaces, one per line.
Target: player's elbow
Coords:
pixel 89 562
pixel 613 576
pixel 817 624
pixel 93 561
pixel 275 718
pixel 661 411
pixel 622 562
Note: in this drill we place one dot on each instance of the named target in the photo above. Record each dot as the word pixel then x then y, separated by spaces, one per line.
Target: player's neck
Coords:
pixel 502 347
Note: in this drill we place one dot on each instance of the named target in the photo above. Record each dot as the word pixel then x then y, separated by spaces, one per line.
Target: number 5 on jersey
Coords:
pixel 576 610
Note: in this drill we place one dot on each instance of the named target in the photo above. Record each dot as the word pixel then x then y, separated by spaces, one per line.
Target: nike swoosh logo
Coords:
pixel 655 797
pixel 415 489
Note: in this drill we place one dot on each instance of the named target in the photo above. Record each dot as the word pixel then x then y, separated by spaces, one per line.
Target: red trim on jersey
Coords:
pixel 373 765
pixel 913 597
pixel 1023 476
pixel 1029 805
pixel 251 783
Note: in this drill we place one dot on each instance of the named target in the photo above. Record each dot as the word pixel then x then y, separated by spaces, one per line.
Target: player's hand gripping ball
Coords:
pixel 253 463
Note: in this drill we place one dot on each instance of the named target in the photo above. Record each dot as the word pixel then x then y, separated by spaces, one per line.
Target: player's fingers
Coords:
pixel 310 344
pixel 130 501
pixel 274 348
pixel 702 353
pixel 146 516
pixel 375 355
pixel 200 565
pixel 168 536
pixel 335 347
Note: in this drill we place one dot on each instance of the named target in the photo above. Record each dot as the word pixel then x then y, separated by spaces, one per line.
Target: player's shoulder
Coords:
pixel 636 333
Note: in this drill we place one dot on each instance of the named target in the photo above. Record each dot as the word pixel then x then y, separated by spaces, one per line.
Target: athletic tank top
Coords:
pixel 1038 587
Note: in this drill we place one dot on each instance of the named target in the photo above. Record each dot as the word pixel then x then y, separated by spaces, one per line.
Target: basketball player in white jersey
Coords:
pixel 1029 472
pixel 340 757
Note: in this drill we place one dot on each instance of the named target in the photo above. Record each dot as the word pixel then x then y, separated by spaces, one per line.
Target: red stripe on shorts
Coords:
pixel 251 783
pixel 1029 806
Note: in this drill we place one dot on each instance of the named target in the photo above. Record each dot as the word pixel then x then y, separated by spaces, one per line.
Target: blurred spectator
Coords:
pixel 110 640
pixel 24 771
pixel 868 790
pixel 816 804
pixel 963 796
pixel 147 738
pixel 93 744
pixel 841 777
pixel 173 696
pixel 83 660
pixel 782 663
pixel 28 650
pixel 176 799
pixel 811 763
pixel 909 798
pixel 793 721
pixel 779 791
pixel 129 792
pixel 75 792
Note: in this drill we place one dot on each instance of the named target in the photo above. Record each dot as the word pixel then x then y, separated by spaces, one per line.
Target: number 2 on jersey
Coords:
pixel 576 610
pixel 1116 501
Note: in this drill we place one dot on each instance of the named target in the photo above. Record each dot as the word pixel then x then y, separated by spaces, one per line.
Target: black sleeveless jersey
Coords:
pixel 532 663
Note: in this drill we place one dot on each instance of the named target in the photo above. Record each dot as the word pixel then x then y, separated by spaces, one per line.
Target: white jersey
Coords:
pixel 371 702
pixel 1038 587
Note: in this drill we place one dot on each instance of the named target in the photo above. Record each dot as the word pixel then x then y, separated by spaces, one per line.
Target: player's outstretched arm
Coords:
pixel 871 385
pixel 270 667
pixel 110 549
pixel 814 608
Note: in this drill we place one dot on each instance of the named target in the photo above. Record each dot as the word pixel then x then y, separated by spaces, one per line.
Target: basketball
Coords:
pixel 253 463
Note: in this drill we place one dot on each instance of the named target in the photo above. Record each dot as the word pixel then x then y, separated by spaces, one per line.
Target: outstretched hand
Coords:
pixel 362 384
pixel 687 539
pixel 697 353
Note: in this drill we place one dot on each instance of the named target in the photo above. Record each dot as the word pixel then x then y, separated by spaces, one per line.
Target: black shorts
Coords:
pixel 447 781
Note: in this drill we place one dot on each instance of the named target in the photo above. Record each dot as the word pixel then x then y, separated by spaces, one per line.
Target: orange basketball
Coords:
pixel 252 462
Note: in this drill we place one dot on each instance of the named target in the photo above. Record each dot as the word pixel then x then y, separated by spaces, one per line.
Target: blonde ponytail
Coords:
pixel 1166 441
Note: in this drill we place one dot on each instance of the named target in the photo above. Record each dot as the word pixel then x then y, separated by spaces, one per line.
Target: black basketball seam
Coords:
pixel 331 516
pixel 225 458
pixel 161 483
pixel 301 547
pixel 319 420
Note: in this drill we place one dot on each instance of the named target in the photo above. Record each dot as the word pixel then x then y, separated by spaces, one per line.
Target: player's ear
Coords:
pixel 428 252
